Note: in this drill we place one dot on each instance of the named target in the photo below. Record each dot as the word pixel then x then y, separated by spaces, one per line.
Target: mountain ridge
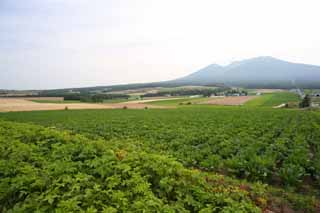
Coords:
pixel 263 71
pixel 249 73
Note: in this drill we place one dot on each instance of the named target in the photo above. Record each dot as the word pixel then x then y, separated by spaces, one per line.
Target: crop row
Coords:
pixel 43 170
pixel 278 147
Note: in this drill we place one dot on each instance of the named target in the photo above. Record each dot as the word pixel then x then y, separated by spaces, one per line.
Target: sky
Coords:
pixel 47 44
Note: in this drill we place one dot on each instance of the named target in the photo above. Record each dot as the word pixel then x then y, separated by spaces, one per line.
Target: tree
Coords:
pixel 306 102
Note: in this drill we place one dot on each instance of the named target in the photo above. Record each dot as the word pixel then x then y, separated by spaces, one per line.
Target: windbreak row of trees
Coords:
pixel 203 92
pixel 96 98
pixel 235 91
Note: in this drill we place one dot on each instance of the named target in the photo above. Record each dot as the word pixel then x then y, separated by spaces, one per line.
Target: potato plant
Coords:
pixel 42 170
pixel 280 148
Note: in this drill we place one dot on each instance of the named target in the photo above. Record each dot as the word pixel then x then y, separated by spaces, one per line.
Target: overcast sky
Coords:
pixel 75 43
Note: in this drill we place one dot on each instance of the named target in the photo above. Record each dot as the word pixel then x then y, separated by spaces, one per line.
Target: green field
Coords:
pixel 246 157
pixel 273 99
pixel 265 100
pixel 43 170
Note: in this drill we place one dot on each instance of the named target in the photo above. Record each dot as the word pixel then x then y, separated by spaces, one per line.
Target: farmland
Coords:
pixel 253 157
pixel 261 146
pixel 273 99
pixel 269 99
pixel 280 148
pixel 43 169
pixel 159 106
pixel 20 104
pixel 230 101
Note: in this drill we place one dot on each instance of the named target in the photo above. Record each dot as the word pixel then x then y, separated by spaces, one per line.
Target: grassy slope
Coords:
pixel 273 99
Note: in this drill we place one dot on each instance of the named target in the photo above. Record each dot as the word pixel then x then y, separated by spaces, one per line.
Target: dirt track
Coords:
pixel 18 104
pixel 232 101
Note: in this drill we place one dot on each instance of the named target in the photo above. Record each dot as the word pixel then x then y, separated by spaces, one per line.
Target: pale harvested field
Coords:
pixel 18 104
pixel 146 100
pixel 232 101
pixel 269 90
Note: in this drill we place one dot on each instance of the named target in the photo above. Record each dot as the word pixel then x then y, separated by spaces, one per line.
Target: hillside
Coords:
pixel 260 72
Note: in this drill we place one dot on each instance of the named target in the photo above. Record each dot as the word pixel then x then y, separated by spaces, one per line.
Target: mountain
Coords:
pixel 267 72
pixel 259 72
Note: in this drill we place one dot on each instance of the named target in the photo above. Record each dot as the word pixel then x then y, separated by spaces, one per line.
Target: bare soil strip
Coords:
pixel 232 101
pixel 18 104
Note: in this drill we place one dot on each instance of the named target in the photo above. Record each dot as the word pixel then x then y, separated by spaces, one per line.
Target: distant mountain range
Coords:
pixel 267 72
pixel 259 72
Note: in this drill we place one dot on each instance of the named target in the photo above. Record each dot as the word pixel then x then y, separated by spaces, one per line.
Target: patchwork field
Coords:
pixel 268 100
pixel 19 104
pixel 191 158
pixel 56 103
pixel 274 99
